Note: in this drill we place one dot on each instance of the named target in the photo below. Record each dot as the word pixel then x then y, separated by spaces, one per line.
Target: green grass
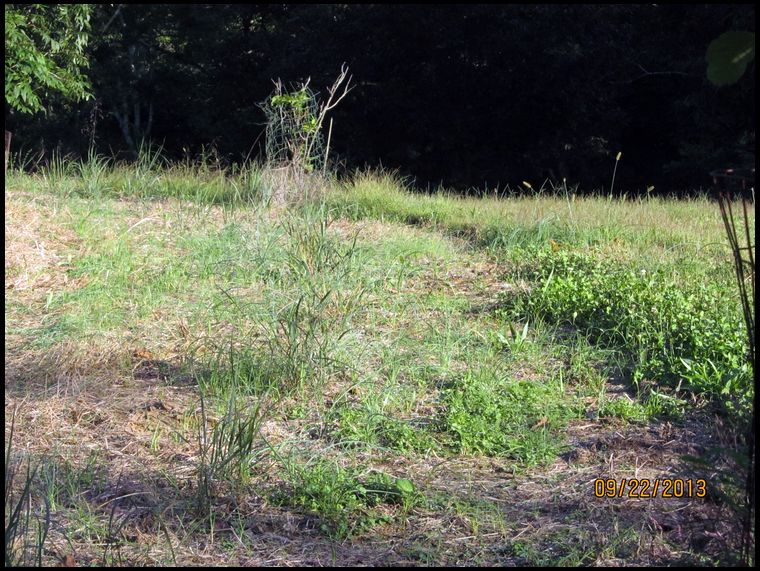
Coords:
pixel 25 528
pixel 659 228
pixel 360 334
pixel 151 177
pixel 488 413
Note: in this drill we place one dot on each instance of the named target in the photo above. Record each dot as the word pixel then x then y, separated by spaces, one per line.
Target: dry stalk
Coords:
pixel 744 266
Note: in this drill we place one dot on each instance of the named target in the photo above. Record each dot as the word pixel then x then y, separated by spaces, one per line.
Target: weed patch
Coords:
pixel 490 414
pixel 623 408
pixel 498 334
pixel 229 449
pixel 363 425
pixel 310 311
pixel 346 502
pixel 675 335
pixel 25 530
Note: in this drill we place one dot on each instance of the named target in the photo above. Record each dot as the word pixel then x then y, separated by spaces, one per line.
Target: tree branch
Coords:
pixel 648 73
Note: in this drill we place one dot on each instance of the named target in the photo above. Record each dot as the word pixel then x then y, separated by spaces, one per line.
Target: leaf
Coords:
pixel 728 56
pixel 68 561
pixel 405 486
pixel 143 354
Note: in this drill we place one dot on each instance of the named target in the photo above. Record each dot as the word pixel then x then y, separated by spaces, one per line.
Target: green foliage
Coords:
pixel 728 57
pixel 682 335
pixel 342 498
pixel 405 438
pixel 623 408
pixel 228 449
pixel 62 480
pixel 97 176
pixel 315 312
pixel 515 342
pixel 45 53
pixel 489 414
pixel 432 369
pixel 296 100
pixel 292 135
pixel 364 424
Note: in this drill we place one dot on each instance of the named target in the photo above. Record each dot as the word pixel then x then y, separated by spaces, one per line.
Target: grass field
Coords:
pixel 369 377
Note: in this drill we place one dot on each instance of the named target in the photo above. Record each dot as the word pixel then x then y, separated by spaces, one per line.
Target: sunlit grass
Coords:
pixel 656 227
pixel 370 327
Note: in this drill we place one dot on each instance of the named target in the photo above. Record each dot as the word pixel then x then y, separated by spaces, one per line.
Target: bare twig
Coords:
pixel 647 73
pixel 745 270
pixel 335 86
pixel 332 101
pixel 327 150
pixel 112 18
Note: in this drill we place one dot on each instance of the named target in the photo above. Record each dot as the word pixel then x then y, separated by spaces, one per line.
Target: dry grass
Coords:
pixel 135 410
pixel 35 245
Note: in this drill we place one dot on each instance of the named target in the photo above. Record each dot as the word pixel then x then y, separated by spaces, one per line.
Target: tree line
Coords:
pixel 468 96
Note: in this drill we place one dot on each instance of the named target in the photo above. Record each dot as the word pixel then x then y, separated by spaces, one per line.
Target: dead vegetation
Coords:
pixel 115 428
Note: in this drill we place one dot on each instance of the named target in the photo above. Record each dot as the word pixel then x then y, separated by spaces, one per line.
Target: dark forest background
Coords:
pixel 471 97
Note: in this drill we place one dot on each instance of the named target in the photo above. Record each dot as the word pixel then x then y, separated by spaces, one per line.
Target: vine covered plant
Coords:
pixel 294 142
pixel 292 135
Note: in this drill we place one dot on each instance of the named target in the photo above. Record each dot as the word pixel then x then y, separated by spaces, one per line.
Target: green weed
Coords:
pixel 311 312
pixel 679 335
pixel 368 426
pixel 63 481
pixel 228 448
pixel 343 498
pixel 487 413
pixel 623 408
pixel 25 531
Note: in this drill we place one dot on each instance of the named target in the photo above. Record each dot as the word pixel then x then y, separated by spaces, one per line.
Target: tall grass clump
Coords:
pixel 93 172
pixel 142 177
pixel 25 531
pixel 315 311
pixel 58 175
pixel 311 291
pixel 150 176
pixel 228 447
pixel 205 181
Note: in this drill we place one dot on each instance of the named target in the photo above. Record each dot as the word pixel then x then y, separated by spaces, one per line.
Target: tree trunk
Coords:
pixel 7 149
